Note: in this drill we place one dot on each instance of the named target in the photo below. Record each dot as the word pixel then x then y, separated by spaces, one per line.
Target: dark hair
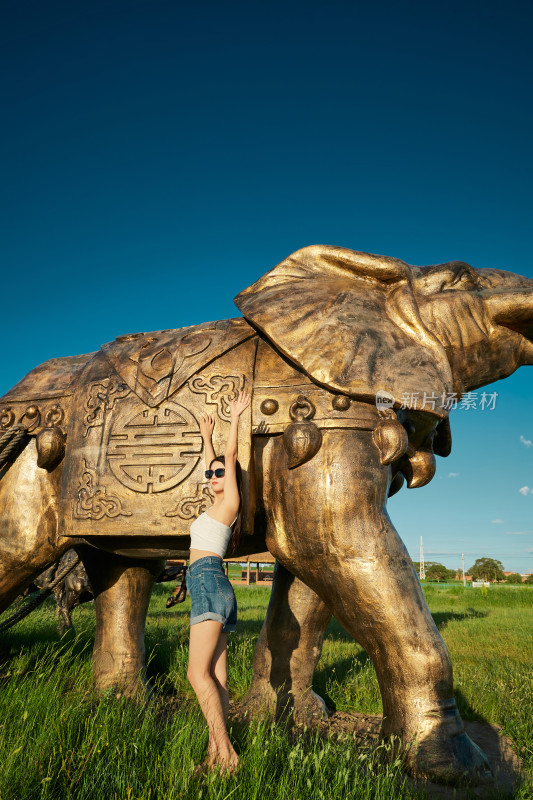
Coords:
pixel 235 539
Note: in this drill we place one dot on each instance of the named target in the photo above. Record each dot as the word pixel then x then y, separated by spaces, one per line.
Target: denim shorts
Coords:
pixel 211 593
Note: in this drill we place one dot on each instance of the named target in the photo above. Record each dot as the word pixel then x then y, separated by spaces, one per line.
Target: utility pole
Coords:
pixel 463 561
pixel 422 567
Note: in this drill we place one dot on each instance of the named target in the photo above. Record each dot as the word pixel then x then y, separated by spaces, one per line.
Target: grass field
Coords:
pixel 58 741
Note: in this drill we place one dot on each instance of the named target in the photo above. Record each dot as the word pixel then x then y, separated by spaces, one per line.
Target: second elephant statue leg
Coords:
pixel 122 589
pixel 328 525
pixel 287 652
pixel 30 539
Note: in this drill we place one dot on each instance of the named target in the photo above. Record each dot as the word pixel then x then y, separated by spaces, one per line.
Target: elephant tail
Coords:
pixel 11 443
pixel 39 599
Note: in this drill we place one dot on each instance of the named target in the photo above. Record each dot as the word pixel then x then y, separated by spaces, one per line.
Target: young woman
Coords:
pixel 213 605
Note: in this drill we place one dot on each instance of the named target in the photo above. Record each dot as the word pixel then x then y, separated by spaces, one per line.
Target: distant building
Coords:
pixel 459 576
pixel 523 575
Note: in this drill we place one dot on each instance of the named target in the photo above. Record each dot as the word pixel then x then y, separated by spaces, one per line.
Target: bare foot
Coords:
pixel 210 762
pixel 201 769
pixel 212 754
pixel 228 766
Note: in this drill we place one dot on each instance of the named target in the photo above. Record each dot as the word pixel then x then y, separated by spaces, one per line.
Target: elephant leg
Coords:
pixel 327 524
pixel 287 652
pixel 29 517
pixel 122 589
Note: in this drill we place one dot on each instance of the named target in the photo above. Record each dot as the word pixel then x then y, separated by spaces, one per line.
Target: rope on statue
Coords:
pixel 9 441
pixel 39 599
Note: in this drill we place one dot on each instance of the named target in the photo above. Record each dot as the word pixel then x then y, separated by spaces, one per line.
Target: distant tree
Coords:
pixel 514 577
pixel 435 571
pixel 487 569
pixel 438 572
pixel 529 578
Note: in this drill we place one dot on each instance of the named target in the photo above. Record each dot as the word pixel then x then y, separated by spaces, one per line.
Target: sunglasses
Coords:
pixel 218 473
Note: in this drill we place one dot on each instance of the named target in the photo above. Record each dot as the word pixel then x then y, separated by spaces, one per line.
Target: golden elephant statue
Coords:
pixel 354 361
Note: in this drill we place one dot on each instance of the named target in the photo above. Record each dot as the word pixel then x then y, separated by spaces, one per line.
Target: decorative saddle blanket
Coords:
pixel 134 463
pixel 43 398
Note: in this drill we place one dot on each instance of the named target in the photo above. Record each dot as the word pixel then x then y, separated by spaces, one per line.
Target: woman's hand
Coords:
pixel 238 405
pixel 207 423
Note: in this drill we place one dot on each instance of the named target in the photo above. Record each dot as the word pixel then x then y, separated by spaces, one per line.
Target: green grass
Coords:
pixel 58 741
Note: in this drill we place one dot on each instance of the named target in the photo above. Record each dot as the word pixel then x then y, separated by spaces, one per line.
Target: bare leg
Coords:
pixel 207 676
pixel 220 676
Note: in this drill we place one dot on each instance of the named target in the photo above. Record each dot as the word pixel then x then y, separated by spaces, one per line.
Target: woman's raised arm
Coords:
pixel 207 423
pixel 231 491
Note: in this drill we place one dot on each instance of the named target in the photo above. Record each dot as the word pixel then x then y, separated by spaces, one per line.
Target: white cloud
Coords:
pixel 518 533
pixel 496 521
pixel 527 442
pixel 453 475
pixel 525 490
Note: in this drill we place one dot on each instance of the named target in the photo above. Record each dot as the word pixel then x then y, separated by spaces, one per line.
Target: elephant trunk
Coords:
pixel 514 310
pixel 516 307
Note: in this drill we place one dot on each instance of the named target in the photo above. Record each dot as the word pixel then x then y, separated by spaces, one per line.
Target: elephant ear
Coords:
pixel 351 322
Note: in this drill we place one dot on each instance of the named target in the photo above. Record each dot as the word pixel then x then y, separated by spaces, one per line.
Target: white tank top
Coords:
pixel 208 533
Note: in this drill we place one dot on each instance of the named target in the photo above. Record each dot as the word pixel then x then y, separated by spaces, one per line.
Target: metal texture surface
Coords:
pixel 278 383
pixel 122 589
pixel 287 652
pixel 30 537
pixel 354 361
pixel 350 555
pixel 136 469
pixel 54 378
pixel 360 324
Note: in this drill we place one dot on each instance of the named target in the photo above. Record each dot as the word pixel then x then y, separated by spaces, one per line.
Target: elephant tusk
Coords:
pixel 390 438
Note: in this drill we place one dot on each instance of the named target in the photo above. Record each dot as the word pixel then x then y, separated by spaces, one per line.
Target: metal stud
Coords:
pixel 341 403
pixel 269 406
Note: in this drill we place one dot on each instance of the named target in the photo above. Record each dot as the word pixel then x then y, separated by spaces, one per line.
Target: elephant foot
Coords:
pixel 260 701
pixel 122 674
pixel 122 589
pixel 454 761
pixel 441 752
pixel 308 708
pixel 298 708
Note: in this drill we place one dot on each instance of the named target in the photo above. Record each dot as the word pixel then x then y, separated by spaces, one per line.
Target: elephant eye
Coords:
pixel 463 281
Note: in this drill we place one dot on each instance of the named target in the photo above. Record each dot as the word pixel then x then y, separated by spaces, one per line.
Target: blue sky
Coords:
pixel 158 157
